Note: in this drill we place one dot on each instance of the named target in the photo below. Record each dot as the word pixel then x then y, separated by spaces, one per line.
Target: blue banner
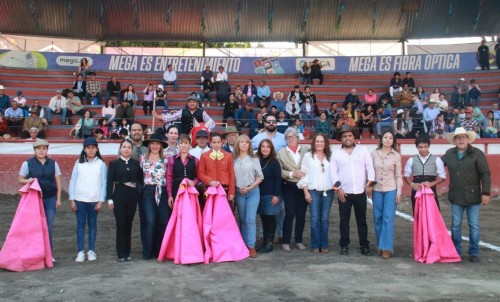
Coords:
pixel 431 63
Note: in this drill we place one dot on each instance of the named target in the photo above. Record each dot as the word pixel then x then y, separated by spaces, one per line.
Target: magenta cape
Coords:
pixel 27 246
pixel 431 240
pixel 222 236
pixel 183 241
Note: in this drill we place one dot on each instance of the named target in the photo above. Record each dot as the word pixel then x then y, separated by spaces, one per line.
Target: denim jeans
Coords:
pixel 118 96
pixel 280 217
pixel 49 207
pixel 62 112
pixel 489 135
pixel 174 83
pixel 320 213
pixel 380 125
pixel 475 101
pixel 384 211
pixel 247 211
pixel 154 219
pixel 457 213
pixel 85 211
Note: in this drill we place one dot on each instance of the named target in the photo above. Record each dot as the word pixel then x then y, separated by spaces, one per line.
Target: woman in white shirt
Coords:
pixel 109 110
pixel 317 186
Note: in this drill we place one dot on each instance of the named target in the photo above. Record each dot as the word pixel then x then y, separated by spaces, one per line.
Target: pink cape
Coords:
pixel 183 239
pixel 222 236
pixel 27 246
pixel 431 240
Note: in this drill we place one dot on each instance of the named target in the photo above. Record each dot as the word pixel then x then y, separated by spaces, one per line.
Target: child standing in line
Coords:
pixel 87 192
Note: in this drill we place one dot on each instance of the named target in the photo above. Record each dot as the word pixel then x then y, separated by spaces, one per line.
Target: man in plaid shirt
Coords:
pixel 93 90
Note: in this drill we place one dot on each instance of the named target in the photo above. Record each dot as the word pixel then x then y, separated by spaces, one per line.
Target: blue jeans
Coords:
pixel 320 217
pixel 385 124
pixel 62 112
pixel 280 217
pixel 247 210
pixel 154 219
pixel 85 211
pixel 118 96
pixel 165 83
pixel 384 211
pixel 489 135
pixel 49 207
pixel 457 213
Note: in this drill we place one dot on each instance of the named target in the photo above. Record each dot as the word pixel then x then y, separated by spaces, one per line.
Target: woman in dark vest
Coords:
pixel 180 166
pixel 427 169
pixel 47 172
pixel 123 192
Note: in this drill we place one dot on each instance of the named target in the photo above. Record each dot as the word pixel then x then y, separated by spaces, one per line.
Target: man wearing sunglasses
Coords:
pixel 270 132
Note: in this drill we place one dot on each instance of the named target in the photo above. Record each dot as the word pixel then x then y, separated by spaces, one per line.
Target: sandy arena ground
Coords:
pixel 280 276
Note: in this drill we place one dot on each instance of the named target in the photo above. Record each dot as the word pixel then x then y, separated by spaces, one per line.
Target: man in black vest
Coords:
pixel 187 115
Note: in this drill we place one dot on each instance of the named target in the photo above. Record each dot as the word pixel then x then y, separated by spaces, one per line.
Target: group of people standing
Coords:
pixel 271 175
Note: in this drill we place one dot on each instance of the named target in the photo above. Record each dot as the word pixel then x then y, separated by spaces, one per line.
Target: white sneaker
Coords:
pixel 80 257
pixel 53 260
pixel 301 246
pixel 91 255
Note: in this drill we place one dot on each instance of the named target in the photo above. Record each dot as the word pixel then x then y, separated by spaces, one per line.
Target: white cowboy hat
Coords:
pixel 459 131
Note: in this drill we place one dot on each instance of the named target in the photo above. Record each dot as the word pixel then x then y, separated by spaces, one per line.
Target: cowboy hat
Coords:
pixel 277 93
pixel 344 129
pixel 228 130
pixel 154 138
pixel 459 131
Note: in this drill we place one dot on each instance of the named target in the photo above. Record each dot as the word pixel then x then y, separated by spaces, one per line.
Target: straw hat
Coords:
pixel 459 131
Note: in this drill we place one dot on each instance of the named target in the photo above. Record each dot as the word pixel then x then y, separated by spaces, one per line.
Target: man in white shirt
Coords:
pixel 353 176
pixel 202 144
pixel 57 105
pixel 170 77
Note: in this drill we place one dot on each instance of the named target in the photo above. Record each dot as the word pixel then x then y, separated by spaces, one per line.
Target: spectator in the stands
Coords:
pixel 442 105
pixel 299 95
pixel 33 121
pixel 87 125
pixel 307 110
pixel 490 126
pixel 351 97
pixel 470 124
pixel 84 67
pixel 15 117
pixel 114 130
pixel 323 124
pixel 435 94
pixel 244 117
pixel 93 94
pixel 396 84
pixel 483 55
pixel 420 93
pixel 130 96
pixel 80 87
pixel 260 122
pixel 102 125
pixel 314 100
pixel 220 77
pixel 345 120
pixel 351 112
pixel 123 133
pixel 21 102
pixel 305 73
pixel 496 111
pixel 39 109
pixel 207 80
pixel 404 97
pixel 460 95
pixel 282 122
pixel 417 116
pixel 201 144
pixel 230 108
pixel 385 100
pixel 400 125
pixel 170 77
pixel 438 129
pixel 4 99
pixel 99 134
pixel 370 98
pixel 263 94
pixel 316 71
pixel 148 99
pixel 161 97
pixel 366 122
pixel 237 94
pixel 109 110
pixel 74 105
pixel 474 93
pixel 33 134
pixel 124 124
pixel 430 114
pixel 384 120
pixel 114 89
pixel 250 90
pixel 293 108
pixel 273 111
pixel 57 105
pixel 125 111
pixel 278 101
pixel 263 111
pixel 410 81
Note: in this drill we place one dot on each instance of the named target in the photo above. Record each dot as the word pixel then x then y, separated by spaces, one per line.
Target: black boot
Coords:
pixel 267 247
pixel 263 243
